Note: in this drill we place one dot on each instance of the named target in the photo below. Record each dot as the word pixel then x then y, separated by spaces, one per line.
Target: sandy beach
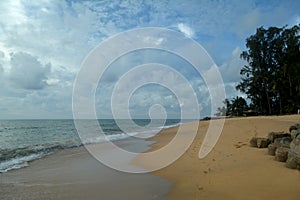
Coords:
pixel 233 169
pixel 75 174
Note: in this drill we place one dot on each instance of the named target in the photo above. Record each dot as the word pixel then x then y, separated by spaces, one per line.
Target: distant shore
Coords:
pixel 233 170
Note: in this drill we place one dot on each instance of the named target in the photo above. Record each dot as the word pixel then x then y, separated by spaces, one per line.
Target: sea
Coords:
pixel 22 141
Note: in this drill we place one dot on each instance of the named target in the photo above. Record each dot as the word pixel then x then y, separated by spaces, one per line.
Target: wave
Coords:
pixel 169 126
pixel 20 157
pixel 104 138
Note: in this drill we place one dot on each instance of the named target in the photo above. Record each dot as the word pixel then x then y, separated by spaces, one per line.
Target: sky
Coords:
pixel 43 44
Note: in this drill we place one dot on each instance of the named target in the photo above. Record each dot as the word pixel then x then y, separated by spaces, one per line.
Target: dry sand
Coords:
pixel 233 169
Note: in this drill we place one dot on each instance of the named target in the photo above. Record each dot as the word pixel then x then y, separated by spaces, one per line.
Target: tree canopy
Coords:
pixel 236 107
pixel 271 79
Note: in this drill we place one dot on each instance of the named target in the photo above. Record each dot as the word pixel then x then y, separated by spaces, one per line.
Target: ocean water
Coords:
pixel 22 141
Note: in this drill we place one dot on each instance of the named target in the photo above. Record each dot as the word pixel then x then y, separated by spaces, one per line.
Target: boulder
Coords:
pixel 281 154
pixel 272 147
pixel 253 142
pixel 262 142
pixel 293 160
pixel 295 145
pixel 274 135
pixel 284 141
pixel 259 142
pixel 294 127
pixel 295 133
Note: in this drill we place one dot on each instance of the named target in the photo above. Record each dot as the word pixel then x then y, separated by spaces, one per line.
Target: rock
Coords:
pixel 285 140
pixel 272 147
pixel 293 160
pixel 253 142
pixel 281 154
pixel 259 142
pixel 262 142
pixel 295 145
pixel 295 133
pixel 292 128
pixel 274 135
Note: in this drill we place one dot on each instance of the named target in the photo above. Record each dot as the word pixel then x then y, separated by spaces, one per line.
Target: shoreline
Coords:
pixel 233 169
pixel 75 174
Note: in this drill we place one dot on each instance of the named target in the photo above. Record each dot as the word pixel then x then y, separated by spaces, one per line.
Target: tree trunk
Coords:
pixel 280 104
pixel 290 83
pixel 268 99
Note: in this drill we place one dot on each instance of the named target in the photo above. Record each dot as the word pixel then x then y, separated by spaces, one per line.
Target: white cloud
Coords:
pixel 27 72
pixel 231 91
pixel 13 12
pixel 151 40
pixel 1 55
pixel 186 30
pixel 63 34
pixel 230 71
pixel 231 68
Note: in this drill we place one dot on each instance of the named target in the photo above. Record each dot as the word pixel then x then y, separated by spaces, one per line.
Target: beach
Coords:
pixel 232 170
pixel 75 174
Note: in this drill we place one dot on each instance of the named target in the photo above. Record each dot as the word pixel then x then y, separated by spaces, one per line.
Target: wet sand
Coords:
pixel 75 174
pixel 233 169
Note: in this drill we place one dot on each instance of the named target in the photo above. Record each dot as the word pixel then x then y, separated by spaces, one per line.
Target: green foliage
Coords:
pixel 272 77
pixel 236 107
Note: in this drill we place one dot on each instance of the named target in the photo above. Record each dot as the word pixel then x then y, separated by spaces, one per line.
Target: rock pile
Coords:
pixel 284 146
pixel 293 160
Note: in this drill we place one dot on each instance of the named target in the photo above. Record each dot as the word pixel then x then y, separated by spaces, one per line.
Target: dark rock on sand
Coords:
pixel 284 140
pixel 272 148
pixel 295 133
pixel 281 154
pixel 294 127
pixel 259 142
pixel 274 135
pixel 262 142
pixel 253 142
pixel 295 145
pixel 293 160
pixel 279 142
pixel 284 146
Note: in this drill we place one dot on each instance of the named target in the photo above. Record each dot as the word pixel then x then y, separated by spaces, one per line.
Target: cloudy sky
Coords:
pixel 44 42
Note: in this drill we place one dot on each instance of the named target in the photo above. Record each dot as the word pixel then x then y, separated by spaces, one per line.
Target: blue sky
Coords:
pixel 43 43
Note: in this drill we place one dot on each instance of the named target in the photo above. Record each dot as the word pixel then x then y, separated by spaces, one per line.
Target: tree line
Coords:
pixel 271 77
